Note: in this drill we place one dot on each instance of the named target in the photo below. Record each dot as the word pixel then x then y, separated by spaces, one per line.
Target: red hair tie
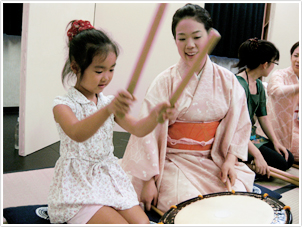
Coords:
pixel 78 26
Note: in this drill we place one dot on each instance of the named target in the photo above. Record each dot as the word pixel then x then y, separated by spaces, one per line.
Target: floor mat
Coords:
pixel 31 188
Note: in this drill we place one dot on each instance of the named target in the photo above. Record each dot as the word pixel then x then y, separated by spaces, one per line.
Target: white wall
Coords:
pixel 43 56
pixel 11 70
pixel 284 30
pixel 44 51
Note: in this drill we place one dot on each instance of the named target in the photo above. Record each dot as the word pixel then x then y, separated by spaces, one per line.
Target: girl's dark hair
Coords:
pixel 83 47
pixel 254 52
pixel 293 48
pixel 196 12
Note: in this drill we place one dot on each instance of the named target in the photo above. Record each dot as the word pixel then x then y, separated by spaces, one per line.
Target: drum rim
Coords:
pixel 289 217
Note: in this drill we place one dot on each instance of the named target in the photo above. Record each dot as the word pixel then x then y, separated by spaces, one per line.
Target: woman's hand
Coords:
pixel 279 148
pixel 261 166
pixel 120 105
pixel 228 169
pixel 149 194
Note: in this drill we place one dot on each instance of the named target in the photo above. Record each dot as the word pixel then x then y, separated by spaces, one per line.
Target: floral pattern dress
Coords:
pixel 87 172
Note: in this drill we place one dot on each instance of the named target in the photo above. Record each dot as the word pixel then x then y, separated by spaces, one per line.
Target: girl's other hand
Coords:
pixel 120 105
pixel 164 111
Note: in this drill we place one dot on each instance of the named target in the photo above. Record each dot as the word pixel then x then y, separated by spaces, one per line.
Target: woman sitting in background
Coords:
pixel 283 103
pixel 256 59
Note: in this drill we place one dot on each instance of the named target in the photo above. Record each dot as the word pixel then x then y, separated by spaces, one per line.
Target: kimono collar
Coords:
pixel 74 94
pixel 182 67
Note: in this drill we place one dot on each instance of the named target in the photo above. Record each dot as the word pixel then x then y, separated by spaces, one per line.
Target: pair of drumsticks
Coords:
pixel 282 175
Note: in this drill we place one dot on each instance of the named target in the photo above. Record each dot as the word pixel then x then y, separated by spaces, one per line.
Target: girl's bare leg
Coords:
pixel 135 215
pixel 107 215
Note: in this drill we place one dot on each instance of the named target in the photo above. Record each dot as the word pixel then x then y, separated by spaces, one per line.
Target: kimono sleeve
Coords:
pixel 233 133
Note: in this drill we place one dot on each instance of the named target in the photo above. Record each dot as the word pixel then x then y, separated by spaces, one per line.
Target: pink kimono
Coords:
pixel 283 108
pixel 184 174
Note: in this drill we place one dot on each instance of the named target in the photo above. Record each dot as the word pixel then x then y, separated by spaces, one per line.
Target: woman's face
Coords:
pixel 295 61
pixel 190 36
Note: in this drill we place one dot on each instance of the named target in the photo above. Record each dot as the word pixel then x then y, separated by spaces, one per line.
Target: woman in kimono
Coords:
pixel 283 103
pixel 197 151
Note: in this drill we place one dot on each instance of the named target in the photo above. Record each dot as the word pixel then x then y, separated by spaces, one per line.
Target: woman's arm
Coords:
pixel 149 193
pixel 261 166
pixel 228 170
pixel 81 130
pixel 144 126
pixel 268 130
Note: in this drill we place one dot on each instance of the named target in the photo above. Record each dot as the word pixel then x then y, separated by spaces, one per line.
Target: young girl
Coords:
pixel 88 184
pixel 256 59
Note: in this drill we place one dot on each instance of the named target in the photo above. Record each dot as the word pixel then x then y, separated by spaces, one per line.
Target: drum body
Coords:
pixel 229 208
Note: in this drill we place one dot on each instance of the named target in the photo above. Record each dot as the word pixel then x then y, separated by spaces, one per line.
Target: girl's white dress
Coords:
pixel 88 172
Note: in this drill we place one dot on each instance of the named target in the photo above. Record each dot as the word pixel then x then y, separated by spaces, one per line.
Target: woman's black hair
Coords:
pixel 83 47
pixel 196 12
pixel 254 52
pixel 293 48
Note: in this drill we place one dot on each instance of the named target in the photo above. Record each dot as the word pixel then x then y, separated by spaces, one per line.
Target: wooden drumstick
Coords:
pixel 283 173
pixel 208 46
pixel 161 213
pixel 145 50
pixel 281 177
pixel 228 185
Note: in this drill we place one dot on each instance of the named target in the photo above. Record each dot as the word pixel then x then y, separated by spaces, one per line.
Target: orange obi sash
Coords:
pixel 192 136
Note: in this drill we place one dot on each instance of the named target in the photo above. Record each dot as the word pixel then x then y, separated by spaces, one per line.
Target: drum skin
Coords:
pixel 280 215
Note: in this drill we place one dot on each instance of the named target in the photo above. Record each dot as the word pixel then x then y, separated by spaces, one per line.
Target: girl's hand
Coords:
pixel 120 105
pixel 164 111
pixel 261 166
pixel 228 169
pixel 279 148
pixel 149 194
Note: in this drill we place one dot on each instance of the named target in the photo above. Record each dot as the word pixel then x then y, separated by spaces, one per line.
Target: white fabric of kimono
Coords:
pixel 183 174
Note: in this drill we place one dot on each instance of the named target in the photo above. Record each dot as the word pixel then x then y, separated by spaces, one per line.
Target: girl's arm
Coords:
pixel 268 130
pixel 81 130
pixel 144 126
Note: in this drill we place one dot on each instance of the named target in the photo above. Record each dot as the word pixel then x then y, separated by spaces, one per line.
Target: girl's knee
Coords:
pixel 143 220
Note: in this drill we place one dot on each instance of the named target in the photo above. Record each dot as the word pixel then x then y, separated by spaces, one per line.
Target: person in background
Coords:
pixel 283 103
pixel 257 59
pixel 195 152
pixel 88 185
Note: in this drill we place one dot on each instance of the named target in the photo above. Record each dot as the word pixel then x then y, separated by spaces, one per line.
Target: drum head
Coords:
pixel 229 208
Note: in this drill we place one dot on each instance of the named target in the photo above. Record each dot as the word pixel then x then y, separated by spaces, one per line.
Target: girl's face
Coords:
pixel 190 36
pixel 97 75
pixel 295 61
